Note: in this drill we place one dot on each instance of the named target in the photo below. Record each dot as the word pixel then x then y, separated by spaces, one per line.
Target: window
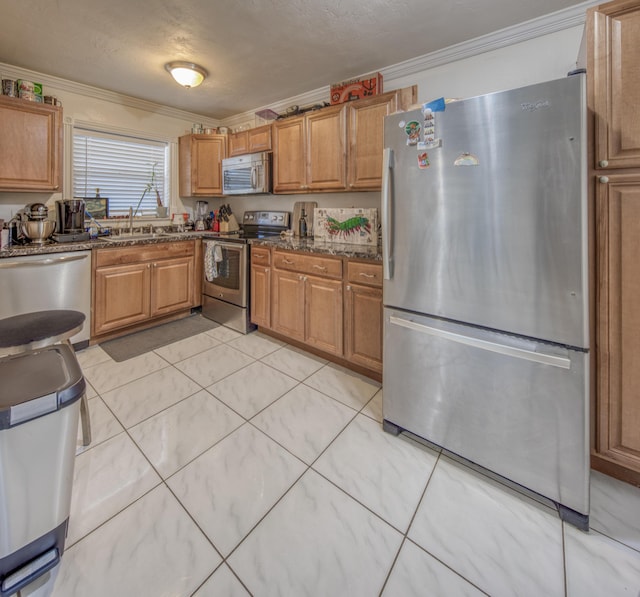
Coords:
pixel 129 171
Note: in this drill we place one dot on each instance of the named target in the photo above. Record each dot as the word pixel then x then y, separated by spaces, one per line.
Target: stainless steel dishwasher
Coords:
pixel 48 281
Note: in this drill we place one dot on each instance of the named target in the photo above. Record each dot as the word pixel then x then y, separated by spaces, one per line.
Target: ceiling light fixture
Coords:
pixel 187 74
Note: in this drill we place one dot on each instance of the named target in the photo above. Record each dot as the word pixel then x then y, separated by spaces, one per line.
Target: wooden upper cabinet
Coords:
pixel 289 159
pixel 326 145
pixel 200 165
pixel 30 146
pixel 251 141
pixel 366 140
pixel 613 31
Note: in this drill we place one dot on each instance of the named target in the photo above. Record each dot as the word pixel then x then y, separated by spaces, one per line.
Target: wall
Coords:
pixel 484 66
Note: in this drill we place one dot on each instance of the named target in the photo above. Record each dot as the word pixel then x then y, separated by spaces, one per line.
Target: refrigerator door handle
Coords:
pixel 512 351
pixel 387 224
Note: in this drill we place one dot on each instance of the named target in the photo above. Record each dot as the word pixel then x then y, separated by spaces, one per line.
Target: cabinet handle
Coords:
pixel 604 179
pixel 367 275
pixel 148 266
pixel 603 163
pixel 322 268
pixel 287 262
pixel 349 288
pixel 258 256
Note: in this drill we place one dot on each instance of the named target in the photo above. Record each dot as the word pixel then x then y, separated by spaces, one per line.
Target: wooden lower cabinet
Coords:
pixel 616 447
pixel 132 285
pixel 323 314
pixel 121 296
pixel 287 304
pixel 306 297
pixel 363 326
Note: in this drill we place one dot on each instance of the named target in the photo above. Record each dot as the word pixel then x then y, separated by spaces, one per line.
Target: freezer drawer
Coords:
pixel 514 406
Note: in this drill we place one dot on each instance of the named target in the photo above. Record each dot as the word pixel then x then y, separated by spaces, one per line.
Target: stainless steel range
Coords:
pixel 226 285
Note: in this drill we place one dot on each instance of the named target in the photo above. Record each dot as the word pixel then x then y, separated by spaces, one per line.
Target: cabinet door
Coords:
pixel 200 160
pixel 326 144
pixel 30 146
pixel 363 326
pixel 366 140
pixel 287 313
pixel 121 296
pixel 618 328
pixel 260 139
pixel 260 295
pixel 289 160
pixel 613 38
pixel 323 314
pixel 238 143
pixel 172 285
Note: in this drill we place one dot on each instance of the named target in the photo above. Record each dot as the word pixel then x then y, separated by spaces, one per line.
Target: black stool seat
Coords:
pixel 35 330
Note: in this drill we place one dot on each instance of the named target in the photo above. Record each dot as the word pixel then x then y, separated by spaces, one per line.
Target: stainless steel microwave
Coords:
pixel 247 174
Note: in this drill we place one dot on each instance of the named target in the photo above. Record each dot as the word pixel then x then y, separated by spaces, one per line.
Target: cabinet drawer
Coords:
pixel 308 264
pixel 260 256
pixel 138 253
pixel 364 273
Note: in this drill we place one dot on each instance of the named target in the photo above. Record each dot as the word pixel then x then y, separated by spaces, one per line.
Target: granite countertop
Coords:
pixel 305 245
pixel 310 245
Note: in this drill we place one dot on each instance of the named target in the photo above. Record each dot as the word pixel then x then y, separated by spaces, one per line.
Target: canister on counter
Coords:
pixel 9 87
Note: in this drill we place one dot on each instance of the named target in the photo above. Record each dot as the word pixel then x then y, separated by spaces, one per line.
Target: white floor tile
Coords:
pixel 418 573
pixel 350 388
pixel 107 479
pixel 317 541
pixel 151 548
pixel 143 398
pixel 226 511
pixel 597 565
pixel 222 584
pixel 109 375
pixel 92 355
pixel 178 434
pixel 223 333
pixel 90 390
pixel 498 540
pixel 373 408
pixel 214 364
pixel 294 362
pixel 304 421
pixel 183 349
pixel 256 345
pixel 104 425
pixel 615 509
pixel 253 388
pixel 385 473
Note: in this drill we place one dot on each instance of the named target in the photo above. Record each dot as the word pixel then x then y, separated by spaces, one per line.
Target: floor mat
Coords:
pixel 133 345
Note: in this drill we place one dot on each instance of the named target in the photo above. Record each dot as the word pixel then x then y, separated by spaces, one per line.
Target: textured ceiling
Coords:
pixel 256 51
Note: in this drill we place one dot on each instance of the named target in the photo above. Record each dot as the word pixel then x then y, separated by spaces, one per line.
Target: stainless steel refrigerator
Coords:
pixel 485 254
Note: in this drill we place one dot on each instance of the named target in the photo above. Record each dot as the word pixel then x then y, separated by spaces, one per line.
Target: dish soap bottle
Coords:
pixel 302 225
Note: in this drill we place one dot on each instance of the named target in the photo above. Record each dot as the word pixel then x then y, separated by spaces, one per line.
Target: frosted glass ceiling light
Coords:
pixel 186 73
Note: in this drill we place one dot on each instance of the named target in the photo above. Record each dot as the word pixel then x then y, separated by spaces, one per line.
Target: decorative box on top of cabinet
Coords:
pixel 30 145
pixel 200 165
pixel 613 91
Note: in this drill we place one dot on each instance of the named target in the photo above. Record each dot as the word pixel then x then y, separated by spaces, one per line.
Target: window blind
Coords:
pixel 122 167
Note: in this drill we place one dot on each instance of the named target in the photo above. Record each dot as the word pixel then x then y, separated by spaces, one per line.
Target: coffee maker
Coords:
pixel 70 221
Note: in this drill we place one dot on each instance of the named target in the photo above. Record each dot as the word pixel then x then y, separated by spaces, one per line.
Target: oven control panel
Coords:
pixel 267 218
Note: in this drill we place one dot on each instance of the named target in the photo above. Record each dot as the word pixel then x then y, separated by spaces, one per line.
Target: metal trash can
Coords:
pixel 40 394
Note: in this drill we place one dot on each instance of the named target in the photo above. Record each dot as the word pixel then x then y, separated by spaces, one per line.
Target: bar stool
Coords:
pixel 39 329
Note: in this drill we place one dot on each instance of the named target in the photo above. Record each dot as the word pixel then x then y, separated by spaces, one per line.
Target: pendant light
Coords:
pixel 187 74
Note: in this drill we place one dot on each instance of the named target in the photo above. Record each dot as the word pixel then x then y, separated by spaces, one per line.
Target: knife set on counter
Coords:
pixel 227 220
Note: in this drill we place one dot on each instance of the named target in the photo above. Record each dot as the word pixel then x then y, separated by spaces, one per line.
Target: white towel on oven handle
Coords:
pixel 212 256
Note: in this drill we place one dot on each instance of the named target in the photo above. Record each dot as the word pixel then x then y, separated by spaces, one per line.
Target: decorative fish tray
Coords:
pixel 356 225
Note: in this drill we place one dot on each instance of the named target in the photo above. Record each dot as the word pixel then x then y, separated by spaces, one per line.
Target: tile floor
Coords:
pixel 227 465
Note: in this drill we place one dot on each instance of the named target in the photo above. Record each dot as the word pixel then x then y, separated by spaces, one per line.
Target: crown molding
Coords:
pixel 16 72
pixel 545 25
